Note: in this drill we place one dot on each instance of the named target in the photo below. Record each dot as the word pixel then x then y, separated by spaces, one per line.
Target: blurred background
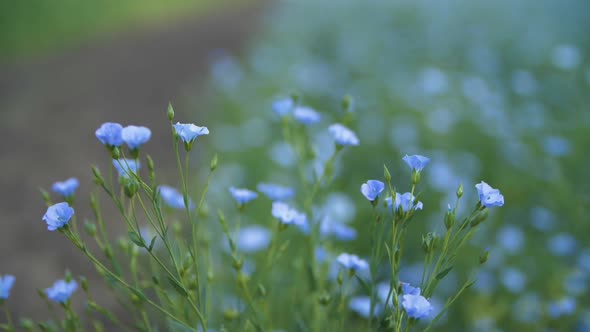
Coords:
pixel 495 91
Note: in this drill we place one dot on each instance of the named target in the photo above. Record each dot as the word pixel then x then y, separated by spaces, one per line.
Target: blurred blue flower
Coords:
pixel 576 283
pixel 283 154
pixel 340 231
pixel 320 254
pixel 110 134
pixel 542 219
pixel 126 167
pixel 288 215
pixel 252 239
pixel 556 146
pixel 566 56
pixel 61 291
pixel 584 260
pixel 371 189
pixel 352 262
pixel 361 305
pixel 343 136
pixel 511 238
pixel 416 305
pixel 135 136
pixel 306 115
pixel 564 307
pixel 485 282
pixel 404 201
pixel 562 244
pixel 276 192
pixel 173 198
pixel 416 162
pixel 527 308
pixel 283 106
pixel 6 283
pixel 242 196
pixel 66 188
pixel 58 215
pixel 514 280
pixel 489 196
pixel 188 132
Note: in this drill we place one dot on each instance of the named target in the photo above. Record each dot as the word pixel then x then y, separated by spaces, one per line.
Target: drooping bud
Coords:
pixel 170 112
pixel 483 258
pixel 90 228
pixel 479 217
pixel 460 191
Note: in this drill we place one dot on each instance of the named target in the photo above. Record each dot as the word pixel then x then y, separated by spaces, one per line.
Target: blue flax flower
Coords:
pixel 405 202
pixel 242 196
pixel 416 162
pixel 61 291
pixel 341 231
pixel 188 132
pixel 173 198
pixel 66 188
pixel 283 106
pixel 306 115
pixel 276 192
pixel 6 283
pixel 489 196
pixel 125 167
pixel 288 215
pixel 58 215
pixel 251 239
pixel 371 189
pixel 415 305
pixel 343 136
pixel 110 134
pixel 352 262
pixel 135 136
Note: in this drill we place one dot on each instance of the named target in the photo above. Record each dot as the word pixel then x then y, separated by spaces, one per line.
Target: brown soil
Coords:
pixel 50 109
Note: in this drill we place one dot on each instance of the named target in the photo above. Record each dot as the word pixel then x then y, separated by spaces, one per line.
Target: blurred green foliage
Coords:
pixel 28 28
pixel 493 91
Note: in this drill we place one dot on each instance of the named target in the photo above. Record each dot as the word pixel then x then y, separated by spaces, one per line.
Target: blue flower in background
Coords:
pixel 343 136
pixel 511 238
pixel 514 280
pixel 276 192
pixel 362 306
pixel 416 162
pixel 488 196
pixel 371 189
pixel 306 115
pixel 288 215
pixel 253 238
pixel 242 196
pixel 58 215
pixel 188 132
pixel 66 188
pixel 126 167
pixel 173 198
pixel 283 106
pixel 61 291
pixel 562 244
pixel 404 201
pixel 564 307
pixel 338 230
pixel 135 136
pixel 415 305
pixel 6 283
pixel 110 134
pixel 352 262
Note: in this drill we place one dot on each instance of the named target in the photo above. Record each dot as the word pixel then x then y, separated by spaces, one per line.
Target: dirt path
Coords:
pixel 50 109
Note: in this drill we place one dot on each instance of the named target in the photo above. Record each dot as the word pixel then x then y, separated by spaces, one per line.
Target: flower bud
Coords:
pixel 449 218
pixel 214 162
pixel 460 191
pixel 210 275
pixel 123 244
pixel 90 228
pixel 479 217
pixel 27 324
pixel 151 169
pixel 261 291
pixel 386 174
pixel 348 103
pixel 483 258
pixel 324 298
pixel 231 314
pixel 131 187
pixel 46 197
pixel 429 242
pixel 84 284
pixel 237 263
pixel 170 112
pixel 98 179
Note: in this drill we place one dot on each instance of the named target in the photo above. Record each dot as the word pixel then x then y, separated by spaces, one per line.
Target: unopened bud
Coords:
pixel 231 314
pixel 460 191
pixel 483 258
pixel 90 228
pixel 324 298
pixel 27 324
pixel 84 283
pixel 214 162
pixel 115 153
pixel 98 179
pixel 449 218
pixel 46 197
pixel 429 242
pixel 131 187
pixel 261 291
pixel 237 263
pixel 479 217
pixel 170 112
pixel 348 103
